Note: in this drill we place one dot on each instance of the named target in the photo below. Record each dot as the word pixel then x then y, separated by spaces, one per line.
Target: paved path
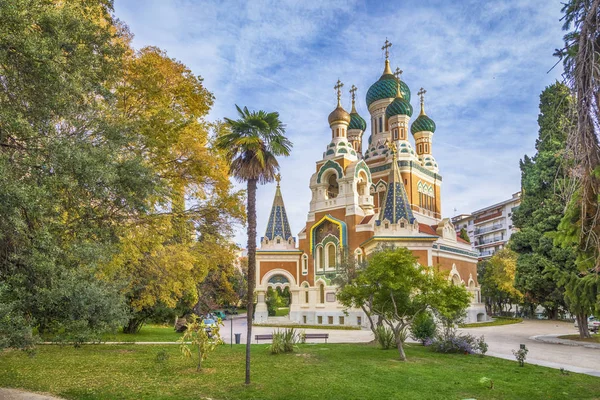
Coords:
pixel 503 339
pixel 14 394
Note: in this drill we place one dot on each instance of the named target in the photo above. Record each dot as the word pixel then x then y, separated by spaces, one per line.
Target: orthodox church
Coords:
pixel 386 194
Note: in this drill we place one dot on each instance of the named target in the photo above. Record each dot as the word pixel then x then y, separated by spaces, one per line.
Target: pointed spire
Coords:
pixel 395 204
pixel 386 47
pixel 398 74
pixel 421 94
pixel 278 224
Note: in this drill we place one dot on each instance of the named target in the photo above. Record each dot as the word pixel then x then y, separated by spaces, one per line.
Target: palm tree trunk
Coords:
pixel 251 267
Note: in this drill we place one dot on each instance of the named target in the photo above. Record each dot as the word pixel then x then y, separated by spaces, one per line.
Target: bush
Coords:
pixel 385 337
pixel 467 344
pixel 521 355
pixel 285 341
pixel 423 327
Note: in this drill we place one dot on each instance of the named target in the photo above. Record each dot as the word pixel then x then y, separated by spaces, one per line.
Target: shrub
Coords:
pixel 521 355
pixel 423 327
pixel 285 341
pixel 467 344
pixel 277 345
pixel 385 337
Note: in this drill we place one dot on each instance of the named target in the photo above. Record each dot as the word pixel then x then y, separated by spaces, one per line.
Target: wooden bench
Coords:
pixel 317 336
pixel 263 337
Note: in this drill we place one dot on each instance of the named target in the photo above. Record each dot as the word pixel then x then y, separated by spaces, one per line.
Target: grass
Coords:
pixel 148 333
pixel 594 339
pixel 299 326
pixel 333 371
pixel 496 322
pixel 282 311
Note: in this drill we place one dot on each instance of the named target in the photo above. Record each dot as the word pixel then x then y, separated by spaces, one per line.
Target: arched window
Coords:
pixel 333 189
pixel 304 263
pixel 320 259
pixel 331 256
pixel 380 124
pixel 396 134
pixel 455 280
pixel 306 295
pixel 402 134
pixel 359 256
pixel 321 293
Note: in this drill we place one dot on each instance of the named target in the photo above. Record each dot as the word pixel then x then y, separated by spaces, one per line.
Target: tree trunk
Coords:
pixel 400 349
pixel 134 325
pixel 199 359
pixel 251 268
pixel 582 325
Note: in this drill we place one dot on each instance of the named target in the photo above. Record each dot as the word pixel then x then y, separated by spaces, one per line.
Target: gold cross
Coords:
pixel 392 147
pixel 338 87
pixel 386 47
pixel 421 94
pixel 353 92
pixel 278 178
pixel 398 73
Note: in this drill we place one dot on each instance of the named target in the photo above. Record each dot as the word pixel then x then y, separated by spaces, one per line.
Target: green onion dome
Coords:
pixel 400 106
pixel 356 121
pixel 422 123
pixel 386 87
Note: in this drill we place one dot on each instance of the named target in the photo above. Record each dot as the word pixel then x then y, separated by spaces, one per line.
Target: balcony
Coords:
pixel 494 239
pixel 365 201
pixel 495 227
pixel 486 253
pixel 488 217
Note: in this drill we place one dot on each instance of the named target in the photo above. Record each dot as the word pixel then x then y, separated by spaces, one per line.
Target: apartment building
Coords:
pixel 489 228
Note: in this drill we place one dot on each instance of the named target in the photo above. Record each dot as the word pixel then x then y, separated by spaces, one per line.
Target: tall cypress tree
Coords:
pixel 542 207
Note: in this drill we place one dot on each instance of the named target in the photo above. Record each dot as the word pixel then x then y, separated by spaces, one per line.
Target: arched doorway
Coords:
pixel 278 297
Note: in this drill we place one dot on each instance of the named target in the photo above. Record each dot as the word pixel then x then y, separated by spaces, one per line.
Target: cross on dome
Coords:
pixel 338 87
pixel 386 47
pixel 421 94
pixel 398 73
pixel 353 93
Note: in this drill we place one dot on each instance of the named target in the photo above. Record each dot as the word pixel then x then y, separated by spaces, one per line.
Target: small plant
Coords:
pixel 302 337
pixel 481 345
pixel 423 327
pixel 564 371
pixel 162 356
pixel 277 345
pixel 521 355
pixel 202 337
pixel 487 382
pixel 466 344
pixel 385 337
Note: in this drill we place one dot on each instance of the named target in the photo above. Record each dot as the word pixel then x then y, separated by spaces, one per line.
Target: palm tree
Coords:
pixel 251 144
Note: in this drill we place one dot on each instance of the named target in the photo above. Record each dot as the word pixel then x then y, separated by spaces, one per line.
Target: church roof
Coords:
pixel 386 87
pixel 395 205
pixel 278 224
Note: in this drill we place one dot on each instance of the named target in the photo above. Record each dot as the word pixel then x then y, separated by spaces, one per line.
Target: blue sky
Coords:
pixel 483 64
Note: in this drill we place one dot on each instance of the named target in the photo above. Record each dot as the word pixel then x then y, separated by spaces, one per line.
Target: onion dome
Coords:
pixel 386 87
pixel 356 121
pixel 400 106
pixel 423 122
pixel 339 115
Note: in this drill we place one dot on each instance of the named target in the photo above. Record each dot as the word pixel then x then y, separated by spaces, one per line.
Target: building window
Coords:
pixel 322 293
pixel 320 319
pixel 426 148
pixel 320 259
pixel 380 124
pixel 402 137
pixel 331 255
pixel 306 296
pixel 358 321
pixel 330 320
pixel 304 264
pixel 304 319
pixel 278 241
pixel 334 188
pixel 341 320
pixel 395 134
pixel 420 148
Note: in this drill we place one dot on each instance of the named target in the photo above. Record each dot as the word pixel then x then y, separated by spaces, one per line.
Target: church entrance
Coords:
pixel 278 298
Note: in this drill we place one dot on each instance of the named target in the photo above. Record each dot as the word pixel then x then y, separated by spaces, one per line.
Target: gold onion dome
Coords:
pixel 339 115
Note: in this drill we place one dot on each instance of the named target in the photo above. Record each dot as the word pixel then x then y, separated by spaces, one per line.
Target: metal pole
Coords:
pixel 231 324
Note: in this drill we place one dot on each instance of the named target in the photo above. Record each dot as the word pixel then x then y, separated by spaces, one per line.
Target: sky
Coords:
pixel 483 64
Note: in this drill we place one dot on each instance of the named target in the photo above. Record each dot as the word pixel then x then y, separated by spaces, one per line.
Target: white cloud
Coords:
pixel 483 64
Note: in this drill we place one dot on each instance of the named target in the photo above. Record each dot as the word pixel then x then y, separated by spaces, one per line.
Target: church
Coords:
pixel 365 196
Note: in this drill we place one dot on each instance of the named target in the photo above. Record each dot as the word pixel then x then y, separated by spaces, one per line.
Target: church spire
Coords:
pixel 278 224
pixel 386 47
pixel 421 94
pixel 395 205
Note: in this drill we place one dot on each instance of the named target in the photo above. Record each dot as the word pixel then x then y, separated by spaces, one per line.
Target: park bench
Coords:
pixel 317 336
pixel 263 337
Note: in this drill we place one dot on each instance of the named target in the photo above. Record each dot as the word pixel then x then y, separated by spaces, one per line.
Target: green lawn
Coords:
pixel 496 322
pixel 334 371
pixel 282 311
pixel 148 333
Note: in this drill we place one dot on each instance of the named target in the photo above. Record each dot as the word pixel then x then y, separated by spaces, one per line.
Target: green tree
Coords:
pixel 397 289
pixel 464 235
pixel 252 144
pixel 497 279
pixel 67 177
pixel 542 206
